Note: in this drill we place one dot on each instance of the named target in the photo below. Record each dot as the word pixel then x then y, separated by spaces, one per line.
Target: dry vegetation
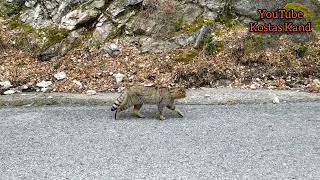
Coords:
pixel 236 65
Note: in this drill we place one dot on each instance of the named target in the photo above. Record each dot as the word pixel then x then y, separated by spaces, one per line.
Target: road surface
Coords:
pixel 211 142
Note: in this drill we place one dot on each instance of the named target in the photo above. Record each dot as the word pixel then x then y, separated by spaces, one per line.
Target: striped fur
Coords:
pixel 136 96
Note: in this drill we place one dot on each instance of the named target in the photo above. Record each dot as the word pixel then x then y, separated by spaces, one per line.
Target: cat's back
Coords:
pixel 148 95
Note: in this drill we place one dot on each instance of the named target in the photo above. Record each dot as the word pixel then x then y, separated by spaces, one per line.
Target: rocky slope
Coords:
pixel 187 42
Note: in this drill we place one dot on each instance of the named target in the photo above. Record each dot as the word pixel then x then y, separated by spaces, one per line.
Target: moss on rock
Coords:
pixel 195 25
pixel 186 55
pixel 308 14
pixel 52 35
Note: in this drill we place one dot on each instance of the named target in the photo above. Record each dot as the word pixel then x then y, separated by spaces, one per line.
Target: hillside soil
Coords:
pixel 246 60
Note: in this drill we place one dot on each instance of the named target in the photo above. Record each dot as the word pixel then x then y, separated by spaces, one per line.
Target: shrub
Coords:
pixel 10 9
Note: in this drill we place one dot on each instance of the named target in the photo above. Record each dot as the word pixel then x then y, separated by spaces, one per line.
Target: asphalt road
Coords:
pixel 212 142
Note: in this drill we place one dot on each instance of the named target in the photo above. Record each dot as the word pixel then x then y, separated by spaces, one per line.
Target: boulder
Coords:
pixel 5 84
pixel 185 39
pixel 116 7
pixel 214 5
pixel 152 45
pixel 78 17
pixel 104 28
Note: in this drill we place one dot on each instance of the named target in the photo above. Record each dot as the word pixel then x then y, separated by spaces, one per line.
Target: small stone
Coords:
pixel 44 89
pixel 112 49
pixel 276 100
pixel 253 86
pixel 119 77
pixel 271 87
pixel 9 92
pixel 30 4
pixel 148 84
pixel 50 97
pixel 5 84
pixel 110 73
pixel 207 95
pixel 24 87
pixel 77 83
pixel 91 92
pixel 44 84
pixel 60 75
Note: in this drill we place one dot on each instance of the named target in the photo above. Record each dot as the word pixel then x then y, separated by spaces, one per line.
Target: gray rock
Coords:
pixel 78 17
pixel 77 83
pixel 116 7
pixel 184 39
pixel 5 84
pixel 209 14
pixel 9 92
pixel 91 92
pixel 214 5
pixel 151 45
pixel 44 84
pixel 74 34
pixel 50 5
pixel 36 17
pixel 112 49
pixel 276 100
pixel 23 88
pixel 119 77
pixel 253 86
pixel 144 26
pixel 99 4
pixel 63 8
pixel 104 28
pixel 60 75
pixel 44 89
pixel 203 33
pixel 134 2
pixel 48 53
pixel 30 4
pixel 190 12
pixel 43 14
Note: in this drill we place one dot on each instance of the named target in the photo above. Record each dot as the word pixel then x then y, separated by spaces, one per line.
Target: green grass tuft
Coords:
pixel 186 55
